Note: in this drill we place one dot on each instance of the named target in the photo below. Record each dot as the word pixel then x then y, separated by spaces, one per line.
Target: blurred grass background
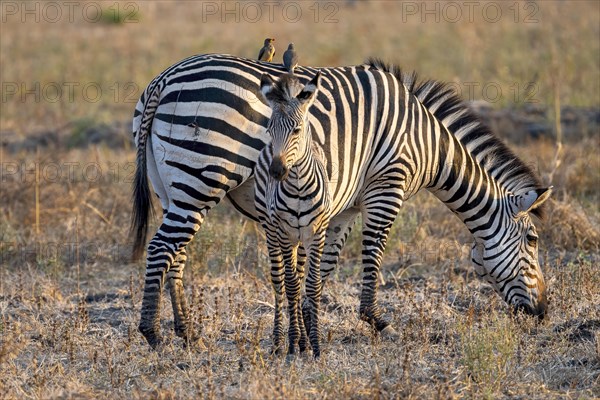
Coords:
pixel 553 44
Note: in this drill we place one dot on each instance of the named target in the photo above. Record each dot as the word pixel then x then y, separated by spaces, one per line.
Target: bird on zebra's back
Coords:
pixel 267 52
pixel 290 58
pixel 293 205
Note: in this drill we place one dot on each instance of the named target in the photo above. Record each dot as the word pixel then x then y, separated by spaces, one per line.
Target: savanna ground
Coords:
pixel 70 297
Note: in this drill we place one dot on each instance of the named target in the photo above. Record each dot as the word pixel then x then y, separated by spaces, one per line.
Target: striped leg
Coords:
pixel 292 290
pixel 178 300
pixel 378 217
pixel 277 280
pixel 337 233
pixel 300 262
pixel 313 289
pixel 174 234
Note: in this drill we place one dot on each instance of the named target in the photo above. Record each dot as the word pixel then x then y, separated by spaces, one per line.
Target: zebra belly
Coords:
pixel 242 198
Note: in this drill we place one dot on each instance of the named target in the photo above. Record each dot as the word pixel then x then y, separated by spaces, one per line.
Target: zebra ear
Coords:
pixel 533 199
pixel 308 95
pixel 267 84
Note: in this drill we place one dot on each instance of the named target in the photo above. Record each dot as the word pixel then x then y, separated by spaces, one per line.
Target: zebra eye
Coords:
pixel 532 240
pixel 297 131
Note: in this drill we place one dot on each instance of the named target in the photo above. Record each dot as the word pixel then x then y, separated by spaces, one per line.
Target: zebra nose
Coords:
pixel 542 305
pixel 278 170
pixel 539 310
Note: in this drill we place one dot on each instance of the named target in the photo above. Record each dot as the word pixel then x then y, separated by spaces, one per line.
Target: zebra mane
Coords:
pixel 483 145
pixel 287 87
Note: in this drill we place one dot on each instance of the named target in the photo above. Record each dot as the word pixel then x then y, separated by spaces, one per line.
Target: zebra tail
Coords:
pixel 142 206
pixel 141 196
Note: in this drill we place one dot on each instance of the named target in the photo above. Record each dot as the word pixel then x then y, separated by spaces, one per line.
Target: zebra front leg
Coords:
pixel 300 262
pixel 277 280
pixel 313 290
pixel 292 290
pixel 376 227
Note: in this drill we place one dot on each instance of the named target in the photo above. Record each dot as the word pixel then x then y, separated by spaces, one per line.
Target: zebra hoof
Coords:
pixel 302 348
pixel 276 351
pixel 194 342
pixel 183 332
pixel 189 336
pixel 154 340
pixel 389 333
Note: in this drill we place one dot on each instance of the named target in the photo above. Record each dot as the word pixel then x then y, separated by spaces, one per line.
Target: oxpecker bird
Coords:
pixel 290 58
pixel 268 51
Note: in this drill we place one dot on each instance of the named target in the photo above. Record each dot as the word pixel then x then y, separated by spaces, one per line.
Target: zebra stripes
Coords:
pixel 293 205
pixel 384 137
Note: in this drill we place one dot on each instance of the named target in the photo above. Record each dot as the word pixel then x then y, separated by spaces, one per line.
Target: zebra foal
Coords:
pixel 293 204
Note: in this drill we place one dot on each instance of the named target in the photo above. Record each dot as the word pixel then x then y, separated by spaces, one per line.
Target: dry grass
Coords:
pixel 70 299
pixel 68 313
pixel 559 48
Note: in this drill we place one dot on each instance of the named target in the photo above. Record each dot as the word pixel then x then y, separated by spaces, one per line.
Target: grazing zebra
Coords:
pixel 293 204
pixel 199 129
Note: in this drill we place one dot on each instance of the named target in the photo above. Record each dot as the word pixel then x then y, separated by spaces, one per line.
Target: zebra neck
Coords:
pixel 302 170
pixel 467 188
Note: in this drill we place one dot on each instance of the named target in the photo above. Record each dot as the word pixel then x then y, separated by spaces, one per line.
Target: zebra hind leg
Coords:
pixel 172 236
pixel 178 299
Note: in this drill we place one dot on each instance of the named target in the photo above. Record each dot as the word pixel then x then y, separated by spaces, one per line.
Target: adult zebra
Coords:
pixel 385 137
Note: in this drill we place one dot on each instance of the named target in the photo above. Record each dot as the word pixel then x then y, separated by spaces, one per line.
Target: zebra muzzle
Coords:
pixel 538 310
pixel 278 169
